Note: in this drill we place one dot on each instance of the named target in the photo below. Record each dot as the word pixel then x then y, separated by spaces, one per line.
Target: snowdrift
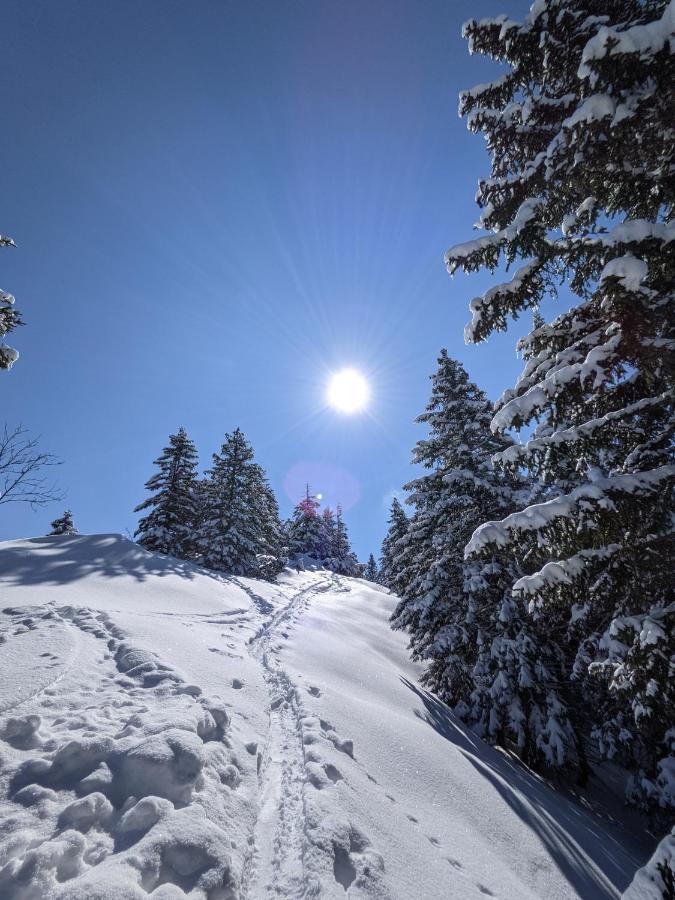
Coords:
pixel 165 732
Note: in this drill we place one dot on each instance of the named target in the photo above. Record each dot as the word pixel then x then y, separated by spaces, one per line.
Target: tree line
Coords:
pixel 535 570
pixel 228 520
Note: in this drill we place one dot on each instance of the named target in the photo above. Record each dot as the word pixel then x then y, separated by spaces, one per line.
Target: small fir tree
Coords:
pixel 271 554
pixel 240 532
pixel 342 561
pixel 328 526
pixel 371 572
pixel 169 525
pixel 64 524
pixel 307 529
pixel 390 554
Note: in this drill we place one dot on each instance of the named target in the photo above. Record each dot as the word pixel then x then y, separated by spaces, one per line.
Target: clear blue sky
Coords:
pixel 216 204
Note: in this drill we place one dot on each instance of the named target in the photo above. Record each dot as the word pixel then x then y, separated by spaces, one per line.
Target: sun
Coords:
pixel 348 391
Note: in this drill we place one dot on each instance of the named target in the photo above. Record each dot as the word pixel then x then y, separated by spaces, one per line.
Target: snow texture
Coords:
pixel 166 732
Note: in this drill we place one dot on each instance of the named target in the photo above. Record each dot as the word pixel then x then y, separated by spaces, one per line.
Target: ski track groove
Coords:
pixel 65 669
pixel 276 865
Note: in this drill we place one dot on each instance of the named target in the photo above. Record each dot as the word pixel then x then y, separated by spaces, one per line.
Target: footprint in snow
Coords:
pixel 314 691
pixel 412 819
pixel 434 841
pixel 485 890
pixel 334 774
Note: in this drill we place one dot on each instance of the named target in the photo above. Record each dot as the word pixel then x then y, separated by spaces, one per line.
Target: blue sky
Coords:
pixel 216 205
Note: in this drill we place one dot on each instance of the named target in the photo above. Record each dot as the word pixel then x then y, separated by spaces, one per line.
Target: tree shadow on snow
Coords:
pixel 62 559
pixel 571 834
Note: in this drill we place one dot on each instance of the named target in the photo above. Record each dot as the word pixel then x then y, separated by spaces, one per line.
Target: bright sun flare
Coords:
pixel 348 391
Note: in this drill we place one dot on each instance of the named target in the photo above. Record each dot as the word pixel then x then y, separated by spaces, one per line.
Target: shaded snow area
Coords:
pixel 168 733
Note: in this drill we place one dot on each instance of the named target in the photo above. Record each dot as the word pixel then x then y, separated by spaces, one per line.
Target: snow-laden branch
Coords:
pixel 643 40
pixel 539 516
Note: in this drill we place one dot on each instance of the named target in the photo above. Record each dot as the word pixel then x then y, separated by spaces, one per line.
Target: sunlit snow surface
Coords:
pixel 167 733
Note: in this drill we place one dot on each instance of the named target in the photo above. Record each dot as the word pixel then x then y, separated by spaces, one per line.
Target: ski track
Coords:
pixel 119 779
pixel 72 731
pixel 28 623
pixel 276 866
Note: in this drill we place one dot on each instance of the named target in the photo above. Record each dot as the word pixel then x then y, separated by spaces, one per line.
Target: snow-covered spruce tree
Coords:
pixel 239 531
pixel 272 555
pixel 482 655
pixel 342 560
pixel 328 526
pixel 169 525
pixel 370 571
pixel 10 318
pixel 581 129
pixel 64 524
pixel 307 530
pixel 390 554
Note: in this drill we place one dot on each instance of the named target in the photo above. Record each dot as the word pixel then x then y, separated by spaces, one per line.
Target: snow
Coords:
pixel 539 516
pixel 494 298
pixel 634 231
pixel 648 883
pixel 643 40
pixel 518 453
pixel 525 215
pixel 171 733
pixel 593 108
pixel 8 356
pixel 628 269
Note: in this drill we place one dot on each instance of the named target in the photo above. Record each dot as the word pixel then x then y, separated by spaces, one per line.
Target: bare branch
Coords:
pixel 22 469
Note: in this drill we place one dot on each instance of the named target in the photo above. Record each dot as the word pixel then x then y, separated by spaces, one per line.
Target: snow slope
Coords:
pixel 165 732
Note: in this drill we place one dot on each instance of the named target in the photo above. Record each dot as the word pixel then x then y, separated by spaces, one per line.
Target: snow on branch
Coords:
pixel 518 453
pixel 643 40
pixel 628 269
pixel 633 231
pixel 460 253
pixel 540 516
pixel 562 571
pixel 493 300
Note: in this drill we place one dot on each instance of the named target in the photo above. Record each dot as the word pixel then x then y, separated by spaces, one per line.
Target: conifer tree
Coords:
pixel 390 554
pixel 581 132
pixel 370 572
pixel 64 524
pixel 482 656
pixel 240 532
pixel 10 318
pixel 169 525
pixel 342 561
pixel 307 529
pixel 271 554
pixel 328 526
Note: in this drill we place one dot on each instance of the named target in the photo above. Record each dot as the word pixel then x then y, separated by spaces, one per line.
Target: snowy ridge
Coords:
pixel 167 733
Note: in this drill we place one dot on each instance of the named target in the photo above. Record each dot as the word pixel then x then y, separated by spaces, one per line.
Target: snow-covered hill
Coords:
pixel 165 732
